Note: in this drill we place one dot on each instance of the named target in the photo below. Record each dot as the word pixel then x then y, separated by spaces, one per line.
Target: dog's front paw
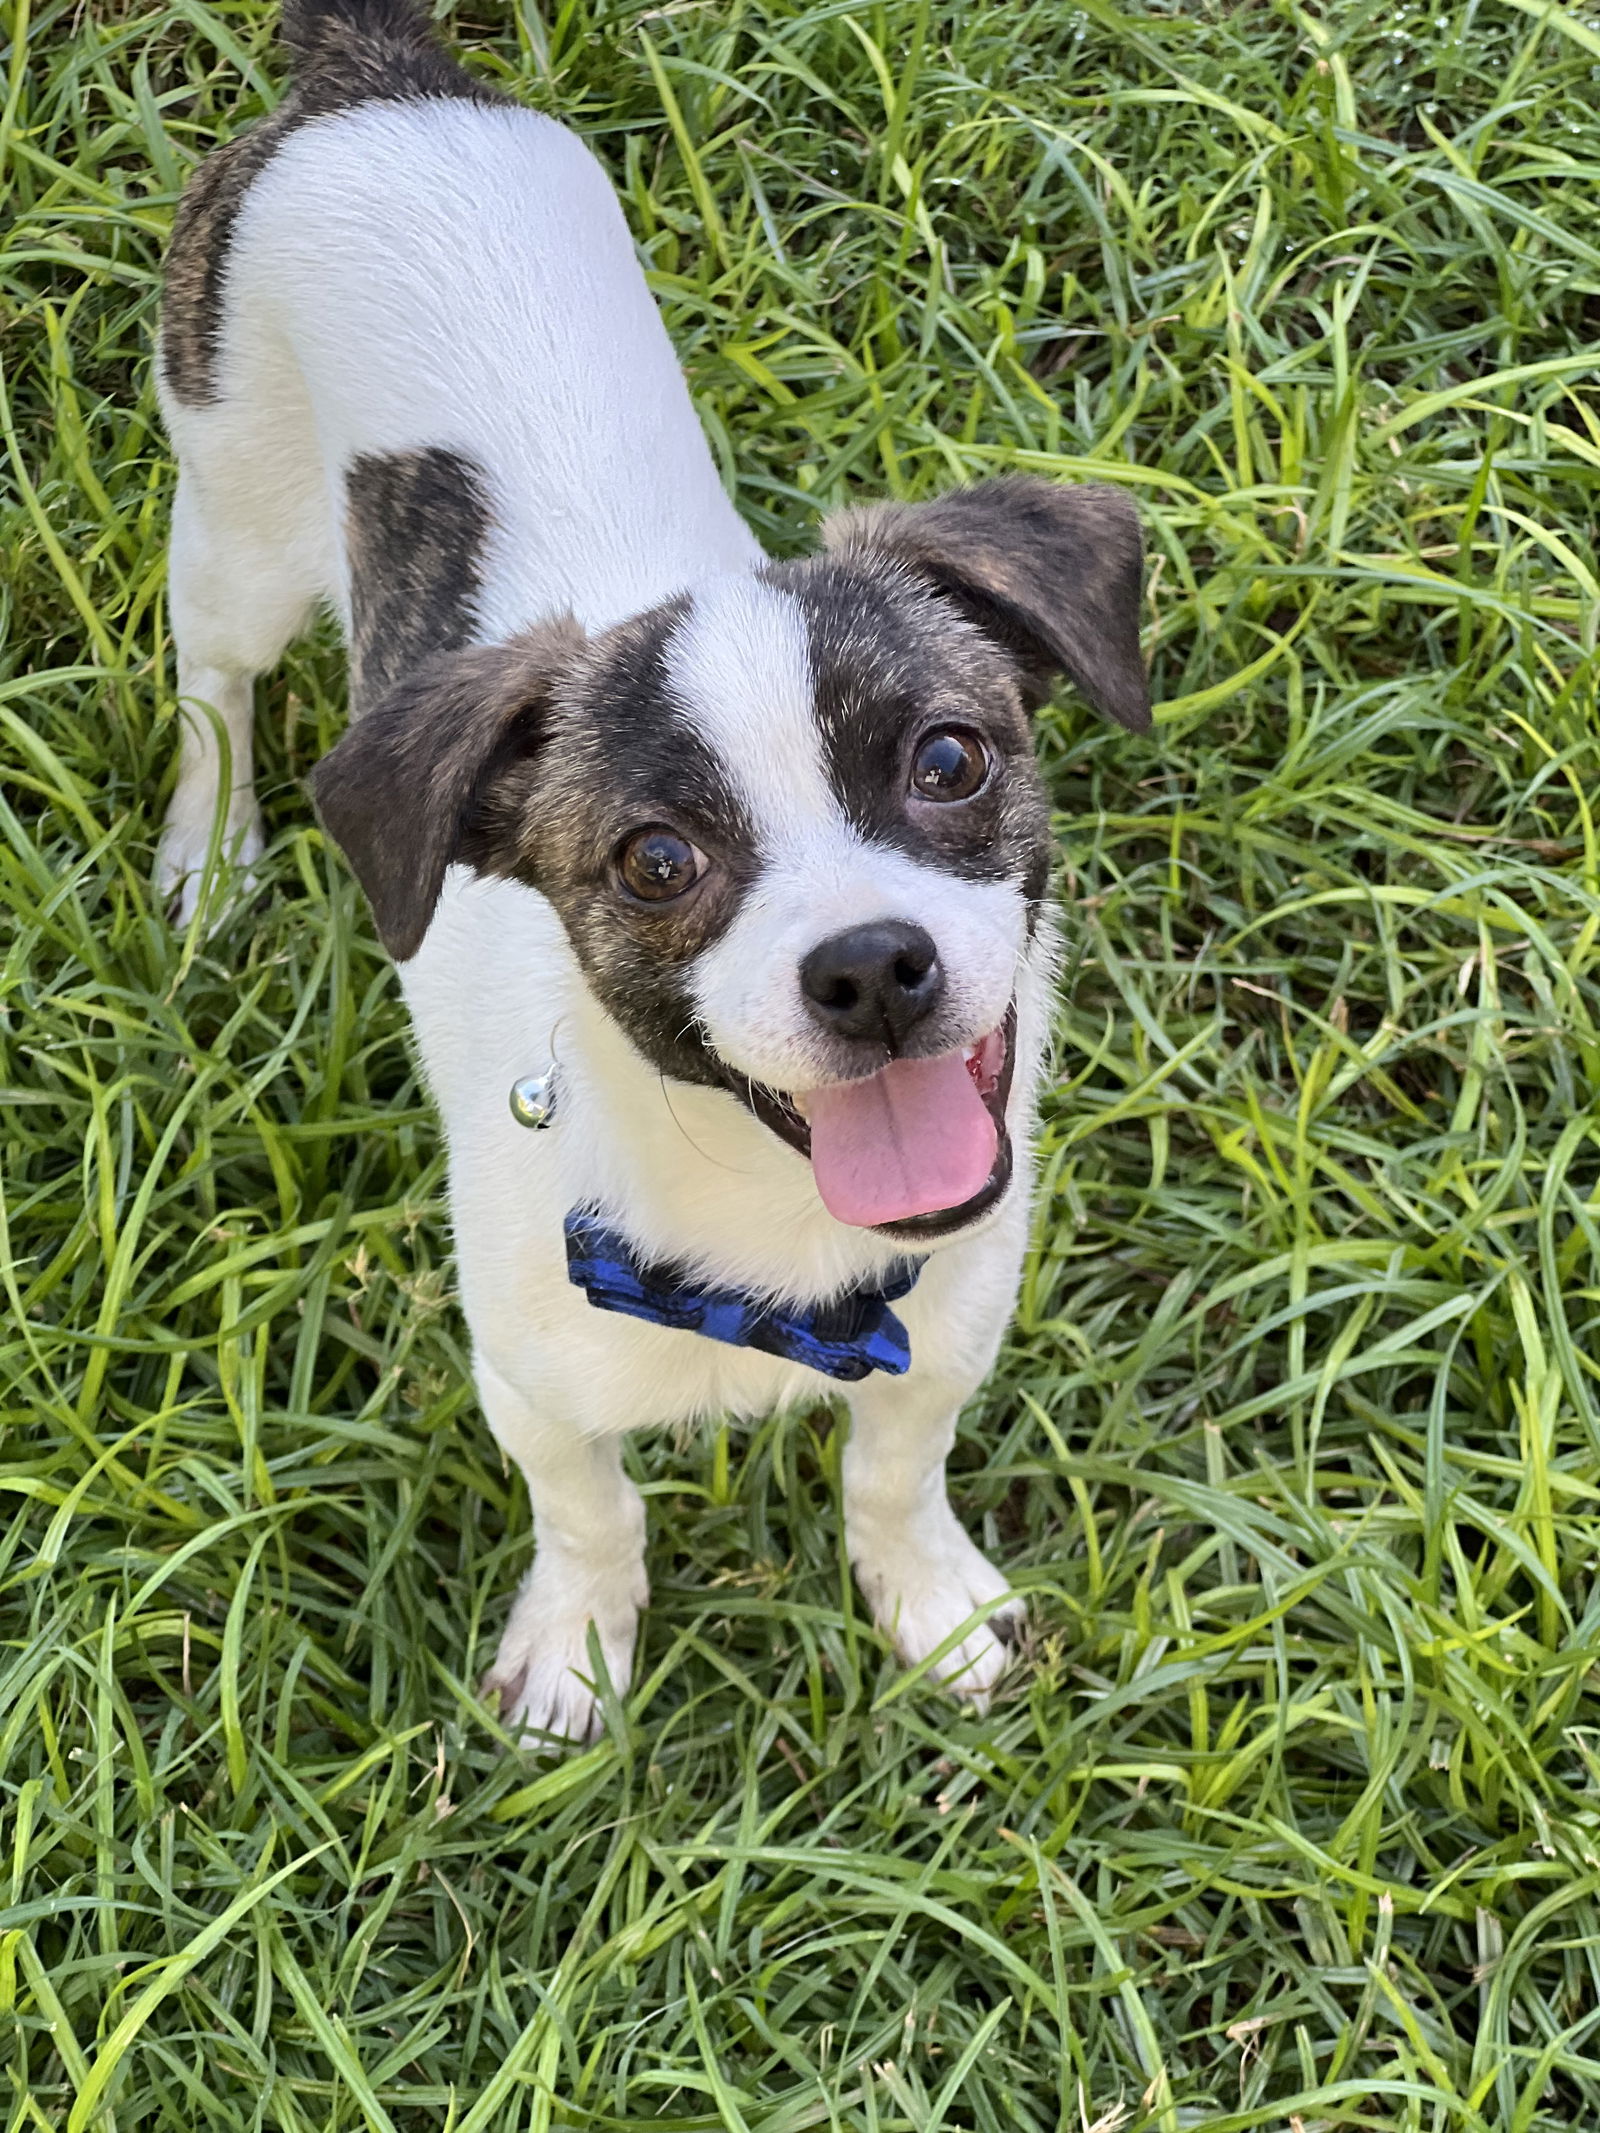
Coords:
pixel 923 1589
pixel 186 843
pixel 543 1671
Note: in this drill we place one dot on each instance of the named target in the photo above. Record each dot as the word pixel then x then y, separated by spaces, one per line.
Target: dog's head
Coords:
pixel 791 821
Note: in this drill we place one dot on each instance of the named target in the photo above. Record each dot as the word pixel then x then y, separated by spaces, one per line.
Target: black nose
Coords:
pixel 874 981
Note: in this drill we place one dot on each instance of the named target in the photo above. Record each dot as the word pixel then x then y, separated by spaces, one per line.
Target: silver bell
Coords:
pixel 533 1099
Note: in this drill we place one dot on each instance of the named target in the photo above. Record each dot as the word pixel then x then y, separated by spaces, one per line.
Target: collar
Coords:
pixel 847 1337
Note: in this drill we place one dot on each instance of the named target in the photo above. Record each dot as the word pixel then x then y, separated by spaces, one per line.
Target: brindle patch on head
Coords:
pixel 1051 572
pixel 890 662
pixel 371 51
pixel 415 526
pixel 620 755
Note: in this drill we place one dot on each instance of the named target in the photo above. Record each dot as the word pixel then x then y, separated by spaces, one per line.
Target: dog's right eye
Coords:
pixel 657 864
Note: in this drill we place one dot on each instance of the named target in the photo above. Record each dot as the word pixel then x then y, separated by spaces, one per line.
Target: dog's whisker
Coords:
pixel 732 1169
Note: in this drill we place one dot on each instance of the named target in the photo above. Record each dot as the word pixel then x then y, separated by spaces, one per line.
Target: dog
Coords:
pixel 735 870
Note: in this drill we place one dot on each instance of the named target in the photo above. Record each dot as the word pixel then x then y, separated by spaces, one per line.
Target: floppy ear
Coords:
pixel 1052 573
pixel 398 792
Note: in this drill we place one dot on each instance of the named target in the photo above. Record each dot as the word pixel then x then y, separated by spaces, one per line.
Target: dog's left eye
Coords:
pixel 950 764
pixel 657 864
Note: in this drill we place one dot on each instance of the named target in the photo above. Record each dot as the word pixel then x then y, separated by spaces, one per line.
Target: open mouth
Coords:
pixel 916 1150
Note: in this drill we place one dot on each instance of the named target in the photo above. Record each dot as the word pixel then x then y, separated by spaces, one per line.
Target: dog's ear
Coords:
pixel 398 792
pixel 1053 574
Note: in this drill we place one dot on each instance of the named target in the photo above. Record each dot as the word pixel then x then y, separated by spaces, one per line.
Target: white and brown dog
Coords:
pixel 755 852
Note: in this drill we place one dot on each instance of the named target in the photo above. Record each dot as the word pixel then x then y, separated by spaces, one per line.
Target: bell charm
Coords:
pixel 533 1099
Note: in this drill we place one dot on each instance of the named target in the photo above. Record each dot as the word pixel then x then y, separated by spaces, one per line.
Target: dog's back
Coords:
pixel 344 53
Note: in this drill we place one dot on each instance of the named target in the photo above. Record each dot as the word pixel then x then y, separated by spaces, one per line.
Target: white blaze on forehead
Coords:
pixel 739 669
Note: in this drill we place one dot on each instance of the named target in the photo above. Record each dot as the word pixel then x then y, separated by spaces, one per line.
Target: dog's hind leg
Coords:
pixel 247 569
pixel 588 1568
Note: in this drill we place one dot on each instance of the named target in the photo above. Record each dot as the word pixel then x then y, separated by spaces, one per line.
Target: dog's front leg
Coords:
pixel 922 1577
pixel 588 1566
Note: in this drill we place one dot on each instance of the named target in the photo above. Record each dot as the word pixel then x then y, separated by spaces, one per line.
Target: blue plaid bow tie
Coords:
pixel 847 1338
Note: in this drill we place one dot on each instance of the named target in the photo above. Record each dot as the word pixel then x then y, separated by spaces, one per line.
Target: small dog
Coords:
pixel 734 870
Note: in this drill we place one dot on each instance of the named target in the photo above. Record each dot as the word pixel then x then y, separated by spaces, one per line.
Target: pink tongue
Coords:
pixel 912 1140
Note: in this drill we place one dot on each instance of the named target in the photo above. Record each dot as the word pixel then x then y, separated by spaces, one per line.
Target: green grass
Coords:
pixel 1293 1820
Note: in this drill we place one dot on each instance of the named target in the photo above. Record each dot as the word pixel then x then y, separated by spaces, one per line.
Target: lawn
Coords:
pixel 1291 1820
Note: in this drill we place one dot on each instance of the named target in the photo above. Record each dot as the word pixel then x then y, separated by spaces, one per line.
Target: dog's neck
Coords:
pixel 623 548
pixel 692 1176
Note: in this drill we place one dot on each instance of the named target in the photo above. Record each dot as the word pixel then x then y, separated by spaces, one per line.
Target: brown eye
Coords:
pixel 657 864
pixel 951 764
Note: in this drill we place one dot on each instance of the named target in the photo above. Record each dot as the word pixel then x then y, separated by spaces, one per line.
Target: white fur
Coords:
pixel 445 274
pixel 740 668
pixel 741 671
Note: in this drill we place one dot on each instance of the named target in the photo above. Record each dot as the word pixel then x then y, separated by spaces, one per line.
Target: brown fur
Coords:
pixel 197 258
pixel 1051 572
pixel 890 661
pixel 398 792
pixel 621 756
pixel 415 528
pixel 534 761
pixel 389 56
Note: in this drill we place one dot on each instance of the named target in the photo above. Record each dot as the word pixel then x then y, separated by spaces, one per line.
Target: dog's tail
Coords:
pixel 354 49
pixel 316 31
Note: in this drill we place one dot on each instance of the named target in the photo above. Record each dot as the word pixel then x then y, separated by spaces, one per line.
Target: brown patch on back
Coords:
pixel 197 257
pixel 366 51
pixel 415 528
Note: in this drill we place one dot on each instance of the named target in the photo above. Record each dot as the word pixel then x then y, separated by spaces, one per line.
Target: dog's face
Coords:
pixel 792 821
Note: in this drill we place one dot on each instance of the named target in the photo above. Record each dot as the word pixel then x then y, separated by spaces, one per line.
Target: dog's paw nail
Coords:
pixel 500 1685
